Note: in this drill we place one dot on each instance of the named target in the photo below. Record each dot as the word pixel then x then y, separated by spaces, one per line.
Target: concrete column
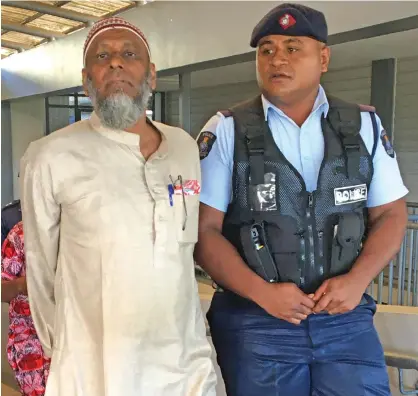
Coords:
pixel 28 121
pixel 157 107
pixel 184 101
pixel 6 155
pixel 384 91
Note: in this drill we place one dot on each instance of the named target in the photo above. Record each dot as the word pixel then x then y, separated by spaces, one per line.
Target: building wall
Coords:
pixel 6 155
pixel 27 124
pixel 352 85
pixel 205 102
pixel 406 123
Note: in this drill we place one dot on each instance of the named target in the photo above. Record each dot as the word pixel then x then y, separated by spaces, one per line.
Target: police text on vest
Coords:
pixel 351 194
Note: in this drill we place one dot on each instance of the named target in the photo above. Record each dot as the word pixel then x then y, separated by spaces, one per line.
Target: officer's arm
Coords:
pixel 386 206
pixel 221 260
pixel 41 218
pixel 387 225
pixel 213 252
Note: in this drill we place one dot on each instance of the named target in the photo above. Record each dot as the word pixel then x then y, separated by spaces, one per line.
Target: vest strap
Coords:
pixel 255 146
pixel 352 154
pixel 376 133
pixel 345 119
pixel 254 138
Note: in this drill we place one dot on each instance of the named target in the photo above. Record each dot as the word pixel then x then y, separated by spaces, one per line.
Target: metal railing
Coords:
pixel 412 208
pixel 397 284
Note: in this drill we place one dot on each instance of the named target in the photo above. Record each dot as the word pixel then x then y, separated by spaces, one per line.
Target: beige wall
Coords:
pixel 28 124
pixel 6 155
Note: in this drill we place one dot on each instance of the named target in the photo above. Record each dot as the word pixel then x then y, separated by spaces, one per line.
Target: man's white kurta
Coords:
pixel 110 269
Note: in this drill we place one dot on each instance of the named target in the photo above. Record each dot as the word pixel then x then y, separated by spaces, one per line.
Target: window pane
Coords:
pixel 85 115
pixel 84 101
pixel 61 100
pixel 60 118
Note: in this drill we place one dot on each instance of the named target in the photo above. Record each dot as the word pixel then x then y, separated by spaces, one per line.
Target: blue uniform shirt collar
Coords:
pixel 321 104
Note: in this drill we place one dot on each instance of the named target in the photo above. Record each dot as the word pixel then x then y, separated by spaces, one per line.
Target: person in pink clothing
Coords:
pixel 24 351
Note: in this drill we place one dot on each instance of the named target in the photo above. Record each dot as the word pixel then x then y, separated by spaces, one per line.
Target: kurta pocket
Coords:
pixel 186 217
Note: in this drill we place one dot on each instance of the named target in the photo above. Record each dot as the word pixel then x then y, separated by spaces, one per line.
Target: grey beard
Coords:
pixel 119 111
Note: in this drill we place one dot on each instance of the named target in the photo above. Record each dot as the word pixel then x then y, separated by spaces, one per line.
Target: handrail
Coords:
pixel 412 226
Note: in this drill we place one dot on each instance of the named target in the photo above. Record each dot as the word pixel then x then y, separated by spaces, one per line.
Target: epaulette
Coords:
pixel 367 108
pixel 226 113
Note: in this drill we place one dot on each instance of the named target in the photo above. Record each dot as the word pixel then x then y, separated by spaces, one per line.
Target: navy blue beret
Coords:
pixel 291 20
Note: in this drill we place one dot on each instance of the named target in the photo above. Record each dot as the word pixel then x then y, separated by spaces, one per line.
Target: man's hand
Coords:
pixel 340 294
pixel 286 301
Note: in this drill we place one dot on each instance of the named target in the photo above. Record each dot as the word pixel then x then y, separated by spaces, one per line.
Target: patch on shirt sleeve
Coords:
pixel 205 142
pixel 387 144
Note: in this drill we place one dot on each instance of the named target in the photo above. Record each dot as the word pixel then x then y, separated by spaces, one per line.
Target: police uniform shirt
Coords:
pixel 302 146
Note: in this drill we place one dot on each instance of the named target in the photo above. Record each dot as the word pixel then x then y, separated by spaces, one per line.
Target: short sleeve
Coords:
pixel 387 184
pixel 216 147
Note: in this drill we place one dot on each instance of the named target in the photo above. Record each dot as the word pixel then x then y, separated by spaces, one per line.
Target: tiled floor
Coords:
pixel 7 391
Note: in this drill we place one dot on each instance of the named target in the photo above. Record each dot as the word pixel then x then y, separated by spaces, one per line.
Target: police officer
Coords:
pixel 11 214
pixel 301 207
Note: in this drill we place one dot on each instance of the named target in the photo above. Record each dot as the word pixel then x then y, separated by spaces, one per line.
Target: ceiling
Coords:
pixel 28 24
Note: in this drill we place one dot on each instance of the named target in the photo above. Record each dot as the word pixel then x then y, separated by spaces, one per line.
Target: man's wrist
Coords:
pixel 361 277
pixel 258 291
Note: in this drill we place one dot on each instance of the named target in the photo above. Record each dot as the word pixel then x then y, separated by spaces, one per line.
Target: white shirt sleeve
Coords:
pixel 217 166
pixel 41 216
pixel 387 184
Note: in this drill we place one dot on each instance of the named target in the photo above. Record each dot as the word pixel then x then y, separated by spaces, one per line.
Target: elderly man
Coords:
pixel 110 209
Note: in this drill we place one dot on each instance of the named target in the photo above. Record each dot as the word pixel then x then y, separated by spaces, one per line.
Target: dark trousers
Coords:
pixel 325 355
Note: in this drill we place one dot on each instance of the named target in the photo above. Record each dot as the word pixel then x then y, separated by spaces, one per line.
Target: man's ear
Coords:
pixel 325 58
pixel 85 77
pixel 153 73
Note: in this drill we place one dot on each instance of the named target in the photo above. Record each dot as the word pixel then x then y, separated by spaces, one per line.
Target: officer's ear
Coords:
pixel 325 57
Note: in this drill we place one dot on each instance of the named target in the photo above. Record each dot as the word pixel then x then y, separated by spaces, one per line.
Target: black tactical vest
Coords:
pixel 283 232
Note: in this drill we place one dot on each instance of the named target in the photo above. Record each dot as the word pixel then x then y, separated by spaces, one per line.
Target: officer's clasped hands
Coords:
pixel 335 296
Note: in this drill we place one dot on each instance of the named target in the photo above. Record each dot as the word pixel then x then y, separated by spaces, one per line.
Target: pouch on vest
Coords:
pixel 346 242
pixel 284 244
pixel 279 235
pixel 256 250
